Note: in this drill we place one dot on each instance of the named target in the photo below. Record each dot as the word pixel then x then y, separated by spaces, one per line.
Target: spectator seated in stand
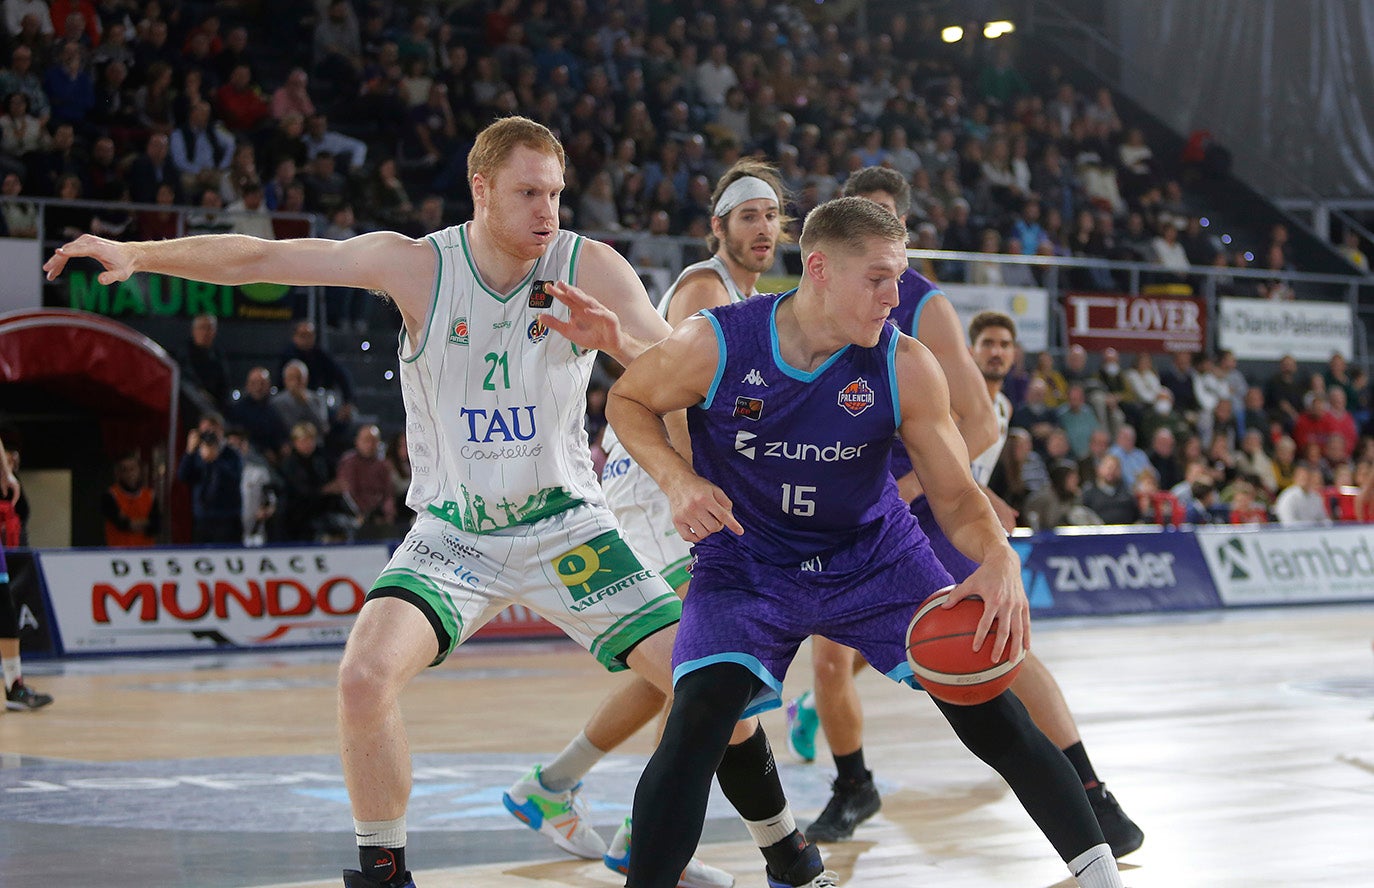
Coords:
pixel 1302 501
pixel 133 516
pixel 204 365
pixel 214 472
pixel 366 477
pixel 316 507
pixel 1109 496
pixel 297 404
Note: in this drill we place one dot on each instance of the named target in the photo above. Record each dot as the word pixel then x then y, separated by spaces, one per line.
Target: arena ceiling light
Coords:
pixel 993 30
pixel 952 34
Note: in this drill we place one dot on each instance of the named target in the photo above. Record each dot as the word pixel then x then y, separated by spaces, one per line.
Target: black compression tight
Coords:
pixel 1001 733
pixel 670 803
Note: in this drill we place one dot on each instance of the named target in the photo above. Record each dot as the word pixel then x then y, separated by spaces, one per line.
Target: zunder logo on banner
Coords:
pixel 162 599
pixel 1283 566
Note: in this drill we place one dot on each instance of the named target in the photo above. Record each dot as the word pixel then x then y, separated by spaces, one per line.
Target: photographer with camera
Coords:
pixel 214 473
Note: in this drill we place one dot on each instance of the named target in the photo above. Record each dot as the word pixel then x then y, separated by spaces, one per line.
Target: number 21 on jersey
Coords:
pixel 495 361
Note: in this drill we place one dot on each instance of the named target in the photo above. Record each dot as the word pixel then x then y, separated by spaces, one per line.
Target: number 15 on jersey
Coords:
pixel 796 500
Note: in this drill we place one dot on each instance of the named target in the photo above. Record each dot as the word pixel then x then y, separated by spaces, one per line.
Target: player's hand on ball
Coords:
pixel 1005 607
pixel 700 508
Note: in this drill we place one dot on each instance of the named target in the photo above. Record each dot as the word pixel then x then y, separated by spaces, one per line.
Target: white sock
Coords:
pixel 381 833
pixel 11 667
pixel 774 829
pixel 572 764
pixel 1096 868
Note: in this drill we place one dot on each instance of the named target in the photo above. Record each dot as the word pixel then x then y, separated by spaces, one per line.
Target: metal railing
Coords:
pixel 1052 272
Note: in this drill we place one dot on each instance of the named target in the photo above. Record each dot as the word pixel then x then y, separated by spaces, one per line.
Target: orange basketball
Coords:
pixel 939 647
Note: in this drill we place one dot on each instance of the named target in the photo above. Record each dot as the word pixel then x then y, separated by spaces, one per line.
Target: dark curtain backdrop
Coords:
pixel 1287 85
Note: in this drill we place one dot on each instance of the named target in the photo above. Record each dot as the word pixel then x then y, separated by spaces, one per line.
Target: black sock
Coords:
pixel 851 768
pixel 1078 757
pixel 384 865
pixel 748 776
pixel 782 854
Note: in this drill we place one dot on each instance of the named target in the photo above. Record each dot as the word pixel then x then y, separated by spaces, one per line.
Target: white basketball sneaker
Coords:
pixel 696 875
pixel 562 816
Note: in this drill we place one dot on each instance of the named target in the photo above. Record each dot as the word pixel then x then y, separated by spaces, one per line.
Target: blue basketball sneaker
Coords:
pixel 802 722
pixel 806 871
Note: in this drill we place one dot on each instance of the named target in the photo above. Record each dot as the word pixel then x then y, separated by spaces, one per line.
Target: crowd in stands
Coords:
pixel 211 105
pixel 286 462
pixel 361 113
pixel 1187 443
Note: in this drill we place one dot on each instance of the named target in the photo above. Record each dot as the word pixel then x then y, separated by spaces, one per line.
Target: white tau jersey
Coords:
pixel 716 264
pixel 609 441
pixel 986 461
pixel 494 399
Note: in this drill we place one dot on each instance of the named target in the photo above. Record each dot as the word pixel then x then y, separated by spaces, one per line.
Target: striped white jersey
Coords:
pixel 716 264
pixel 609 442
pixel 494 399
pixel 985 462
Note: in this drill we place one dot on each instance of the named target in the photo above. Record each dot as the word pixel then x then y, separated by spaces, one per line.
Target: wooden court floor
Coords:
pixel 1242 742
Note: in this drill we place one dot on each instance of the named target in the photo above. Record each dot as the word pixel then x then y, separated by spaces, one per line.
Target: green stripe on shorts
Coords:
pixel 430 592
pixel 678 572
pixel 610 646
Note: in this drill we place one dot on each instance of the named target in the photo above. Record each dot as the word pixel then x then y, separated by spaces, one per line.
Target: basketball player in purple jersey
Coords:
pixel 819 541
pixel 746 226
pixel 975 396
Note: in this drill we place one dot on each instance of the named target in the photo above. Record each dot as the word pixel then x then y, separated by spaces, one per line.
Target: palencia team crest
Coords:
pixel 458 333
pixel 857 397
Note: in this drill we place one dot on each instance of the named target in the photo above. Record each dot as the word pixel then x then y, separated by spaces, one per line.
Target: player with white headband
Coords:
pixel 746 227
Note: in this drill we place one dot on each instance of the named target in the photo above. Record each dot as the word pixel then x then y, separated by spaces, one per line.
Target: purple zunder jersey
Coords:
pixel 829 547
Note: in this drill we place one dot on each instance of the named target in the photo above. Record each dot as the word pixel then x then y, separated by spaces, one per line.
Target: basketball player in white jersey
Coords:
pixel 496 354
pixel 746 226
pixel 975 386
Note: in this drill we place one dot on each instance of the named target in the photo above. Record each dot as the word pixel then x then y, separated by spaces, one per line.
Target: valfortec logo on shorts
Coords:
pixel 598 569
pixel 857 397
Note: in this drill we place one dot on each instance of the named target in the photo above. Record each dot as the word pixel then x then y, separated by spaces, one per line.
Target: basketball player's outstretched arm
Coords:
pixel 941 332
pixel 942 463
pixel 673 375
pixel 610 310
pixel 401 267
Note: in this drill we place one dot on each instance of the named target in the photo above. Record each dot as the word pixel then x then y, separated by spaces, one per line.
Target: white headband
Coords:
pixel 741 190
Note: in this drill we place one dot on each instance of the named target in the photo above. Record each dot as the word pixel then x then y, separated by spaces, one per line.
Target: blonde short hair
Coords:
pixel 495 144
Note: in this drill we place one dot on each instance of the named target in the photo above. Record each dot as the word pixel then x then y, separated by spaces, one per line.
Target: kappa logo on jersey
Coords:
pixel 536 331
pixel 857 397
pixel 540 297
pixel 458 333
pixel 749 408
pixel 742 445
pixel 754 377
